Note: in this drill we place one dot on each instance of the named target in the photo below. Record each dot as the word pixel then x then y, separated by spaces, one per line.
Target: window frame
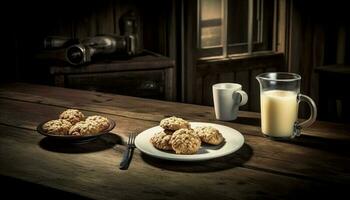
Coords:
pixel 225 50
pixel 189 59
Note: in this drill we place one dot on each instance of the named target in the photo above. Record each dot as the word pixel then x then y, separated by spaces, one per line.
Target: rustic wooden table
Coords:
pixel 317 164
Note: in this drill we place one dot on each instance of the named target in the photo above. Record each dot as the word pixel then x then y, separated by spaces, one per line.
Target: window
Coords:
pixel 235 27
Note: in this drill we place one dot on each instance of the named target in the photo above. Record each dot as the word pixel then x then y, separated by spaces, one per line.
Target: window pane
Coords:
pixel 237 21
pixel 257 20
pixel 263 25
pixel 210 23
pixel 210 26
pixel 237 28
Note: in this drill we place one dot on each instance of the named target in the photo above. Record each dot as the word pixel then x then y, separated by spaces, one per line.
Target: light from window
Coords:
pixel 235 27
pixel 210 22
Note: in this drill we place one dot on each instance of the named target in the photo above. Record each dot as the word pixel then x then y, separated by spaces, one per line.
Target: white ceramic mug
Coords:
pixel 227 99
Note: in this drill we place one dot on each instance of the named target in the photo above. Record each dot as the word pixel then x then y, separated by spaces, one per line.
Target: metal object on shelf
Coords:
pixel 55 42
pixel 127 44
pixel 104 44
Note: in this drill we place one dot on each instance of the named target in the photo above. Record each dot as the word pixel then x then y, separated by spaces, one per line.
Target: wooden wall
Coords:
pixel 81 19
pixel 242 71
pixel 29 22
pixel 316 35
pixel 320 35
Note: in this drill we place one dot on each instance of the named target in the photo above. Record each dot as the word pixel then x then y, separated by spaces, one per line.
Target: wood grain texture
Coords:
pixel 227 77
pixel 148 84
pixel 199 89
pixel 243 78
pixel 306 166
pixel 146 62
pixel 170 84
pixel 240 70
pixel 149 76
pixel 95 175
pixel 208 81
pixel 240 63
pixel 254 96
pixel 267 154
pixel 146 109
pixel 85 21
pixel 105 17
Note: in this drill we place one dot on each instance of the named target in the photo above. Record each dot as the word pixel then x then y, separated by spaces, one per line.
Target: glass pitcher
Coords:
pixel 279 99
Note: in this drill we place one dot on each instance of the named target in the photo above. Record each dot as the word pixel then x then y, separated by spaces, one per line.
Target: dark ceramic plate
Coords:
pixel 75 138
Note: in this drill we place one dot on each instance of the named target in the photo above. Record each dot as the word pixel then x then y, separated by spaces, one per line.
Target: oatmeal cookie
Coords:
pixel 72 115
pixel 209 135
pixel 84 128
pixel 102 122
pixel 57 126
pixel 174 123
pixel 185 141
pixel 161 140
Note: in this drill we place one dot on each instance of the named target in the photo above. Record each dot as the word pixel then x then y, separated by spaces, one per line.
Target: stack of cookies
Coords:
pixel 73 122
pixel 177 135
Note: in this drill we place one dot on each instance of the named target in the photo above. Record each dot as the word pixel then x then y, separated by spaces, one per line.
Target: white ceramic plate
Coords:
pixel 233 141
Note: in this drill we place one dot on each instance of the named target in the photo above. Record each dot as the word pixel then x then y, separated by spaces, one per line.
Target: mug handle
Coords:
pixel 244 97
pixel 313 114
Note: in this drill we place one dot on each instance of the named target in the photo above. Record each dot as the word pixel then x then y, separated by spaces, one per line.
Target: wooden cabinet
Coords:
pixel 149 76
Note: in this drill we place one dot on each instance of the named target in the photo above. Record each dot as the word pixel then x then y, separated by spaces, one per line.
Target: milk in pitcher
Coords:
pixel 279 112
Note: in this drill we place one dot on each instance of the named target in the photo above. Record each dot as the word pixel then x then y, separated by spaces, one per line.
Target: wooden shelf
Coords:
pixel 340 69
pixel 144 62
pixel 148 75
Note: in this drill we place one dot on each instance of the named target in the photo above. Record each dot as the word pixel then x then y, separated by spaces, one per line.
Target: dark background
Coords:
pixel 318 35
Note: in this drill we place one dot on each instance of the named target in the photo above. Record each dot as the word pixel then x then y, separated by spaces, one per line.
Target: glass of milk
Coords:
pixel 279 99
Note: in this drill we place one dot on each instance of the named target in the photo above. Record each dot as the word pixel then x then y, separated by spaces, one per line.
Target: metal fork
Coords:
pixel 127 156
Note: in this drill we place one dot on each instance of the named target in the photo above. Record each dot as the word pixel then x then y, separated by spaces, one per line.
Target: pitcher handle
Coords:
pixel 313 114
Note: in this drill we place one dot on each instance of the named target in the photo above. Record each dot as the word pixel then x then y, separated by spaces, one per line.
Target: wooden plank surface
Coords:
pixel 147 109
pixel 307 165
pixel 147 62
pixel 267 154
pixel 94 173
